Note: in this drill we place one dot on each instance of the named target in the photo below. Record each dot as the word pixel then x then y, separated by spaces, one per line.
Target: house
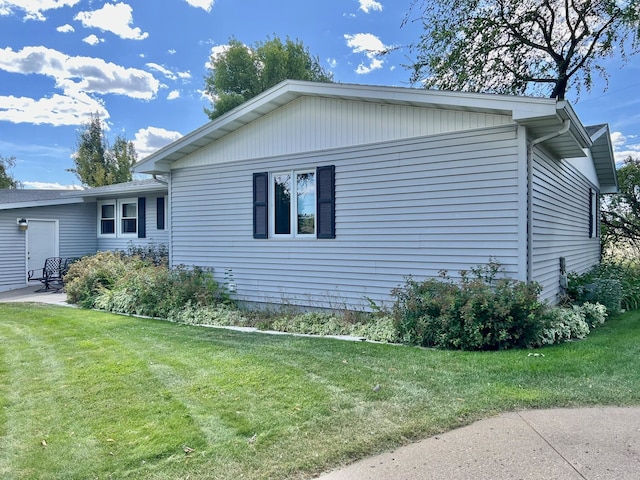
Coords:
pixel 75 223
pixel 330 194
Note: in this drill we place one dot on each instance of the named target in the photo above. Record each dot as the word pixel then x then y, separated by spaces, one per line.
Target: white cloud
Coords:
pixel 51 186
pixel 173 94
pixel 56 110
pixel 115 18
pixel 33 8
pixel 371 46
pixel 148 140
pixel 206 5
pixel 624 147
pixel 159 68
pixel 92 39
pixel 65 29
pixel 216 51
pixel 332 62
pixel 171 51
pixel 168 73
pixel 80 74
pixel 369 5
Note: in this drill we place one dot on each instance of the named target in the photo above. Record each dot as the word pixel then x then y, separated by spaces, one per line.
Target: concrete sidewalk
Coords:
pixel 29 294
pixel 562 444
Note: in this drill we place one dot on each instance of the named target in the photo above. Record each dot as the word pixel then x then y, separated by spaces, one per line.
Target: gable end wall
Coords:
pixel 314 124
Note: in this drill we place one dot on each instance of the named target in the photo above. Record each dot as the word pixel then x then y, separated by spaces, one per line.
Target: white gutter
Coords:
pixel 532 144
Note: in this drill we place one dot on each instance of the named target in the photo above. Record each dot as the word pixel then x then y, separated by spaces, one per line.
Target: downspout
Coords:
pixel 565 128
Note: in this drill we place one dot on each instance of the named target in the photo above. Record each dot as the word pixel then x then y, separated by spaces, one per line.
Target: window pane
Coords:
pixel 282 207
pixel 129 225
pixel 129 210
pixel 306 199
pixel 108 211
pixel 107 226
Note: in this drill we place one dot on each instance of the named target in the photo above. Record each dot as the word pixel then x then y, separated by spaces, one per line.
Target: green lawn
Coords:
pixel 86 395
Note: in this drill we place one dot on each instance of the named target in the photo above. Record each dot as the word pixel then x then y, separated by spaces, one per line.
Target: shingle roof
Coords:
pixel 19 195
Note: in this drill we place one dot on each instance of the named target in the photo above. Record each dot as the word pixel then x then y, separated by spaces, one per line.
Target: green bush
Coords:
pixel 616 285
pixel 89 276
pixel 565 324
pixel 116 282
pixel 478 313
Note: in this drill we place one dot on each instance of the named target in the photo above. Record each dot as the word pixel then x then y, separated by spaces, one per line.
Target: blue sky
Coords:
pixel 141 64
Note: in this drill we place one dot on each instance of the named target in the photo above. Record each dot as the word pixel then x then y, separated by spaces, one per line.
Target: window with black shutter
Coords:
pixel 294 203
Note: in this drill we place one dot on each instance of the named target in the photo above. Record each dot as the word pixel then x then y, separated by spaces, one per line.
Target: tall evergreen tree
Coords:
pixel 96 162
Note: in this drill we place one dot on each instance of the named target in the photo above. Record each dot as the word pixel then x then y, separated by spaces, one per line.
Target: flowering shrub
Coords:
pixel 116 282
pixel 564 324
pixel 479 313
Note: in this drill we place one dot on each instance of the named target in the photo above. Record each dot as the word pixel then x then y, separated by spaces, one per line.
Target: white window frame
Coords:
pixel 117 206
pixel 115 218
pixel 121 217
pixel 293 206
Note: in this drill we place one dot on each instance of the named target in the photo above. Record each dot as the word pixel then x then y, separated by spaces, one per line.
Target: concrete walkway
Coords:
pixel 563 444
pixel 560 444
pixel 29 294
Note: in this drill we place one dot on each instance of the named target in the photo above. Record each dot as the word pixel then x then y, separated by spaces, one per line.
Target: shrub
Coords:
pixel 116 282
pixel 89 276
pixel 616 285
pixel 564 324
pixel 479 313
pixel 157 254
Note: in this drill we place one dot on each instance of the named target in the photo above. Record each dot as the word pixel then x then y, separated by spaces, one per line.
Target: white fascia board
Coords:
pixel 520 108
pixel 40 203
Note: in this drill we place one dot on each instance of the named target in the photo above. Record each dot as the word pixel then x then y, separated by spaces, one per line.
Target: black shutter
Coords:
pixel 591 207
pixel 326 201
pixel 597 219
pixel 142 218
pixel 160 213
pixel 261 205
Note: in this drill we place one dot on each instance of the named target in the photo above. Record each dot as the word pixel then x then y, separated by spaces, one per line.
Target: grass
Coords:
pixel 85 394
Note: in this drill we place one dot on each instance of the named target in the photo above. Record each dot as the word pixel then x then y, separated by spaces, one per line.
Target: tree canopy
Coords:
pixel 6 179
pixel 96 162
pixel 241 72
pixel 621 211
pixel 514 46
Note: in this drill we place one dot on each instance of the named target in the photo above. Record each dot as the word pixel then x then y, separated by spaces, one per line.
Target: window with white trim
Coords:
pixel 118 218
pixel 294 203
pixel 128 210
pixel 107 212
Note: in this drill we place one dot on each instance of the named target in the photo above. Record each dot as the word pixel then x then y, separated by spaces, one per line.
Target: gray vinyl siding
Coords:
pixel 154 237
pixel 560 222
pixel 77 237
pixel 314 124
pixel 407 207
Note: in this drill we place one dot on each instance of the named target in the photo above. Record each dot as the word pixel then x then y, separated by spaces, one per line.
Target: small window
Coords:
pixel 120 218
pixel 107 219
pixel 294 203
pixel 128 217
